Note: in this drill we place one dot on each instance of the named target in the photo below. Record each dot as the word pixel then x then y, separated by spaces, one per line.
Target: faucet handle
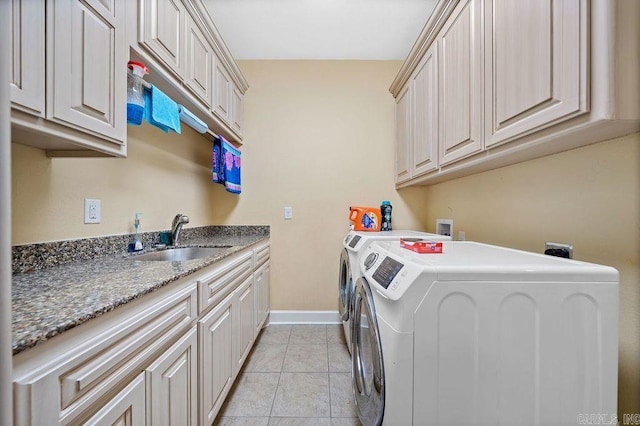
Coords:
pixel 176 219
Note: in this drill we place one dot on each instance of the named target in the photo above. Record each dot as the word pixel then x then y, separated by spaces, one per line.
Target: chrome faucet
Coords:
pixel 176 226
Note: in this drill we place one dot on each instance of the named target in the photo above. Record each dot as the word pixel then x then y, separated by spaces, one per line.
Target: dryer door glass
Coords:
pixel 367 365
pixel 345 288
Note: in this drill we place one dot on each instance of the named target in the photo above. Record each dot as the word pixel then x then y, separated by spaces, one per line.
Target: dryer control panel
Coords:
pixel 389 274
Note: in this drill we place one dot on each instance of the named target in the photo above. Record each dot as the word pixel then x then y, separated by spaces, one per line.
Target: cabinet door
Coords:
pixel 27 55
pixel 222 93
pixel 535 65
pixel 424 95
pixel 172 384
pixel 460 76
pixel 266 300
pixel 199 60
pixel 403 135
pixel 86 56
pixel 245 332
pixel 163 24
pixel 126 408
pixel 261 296
pixel 216 363
pixel 237 111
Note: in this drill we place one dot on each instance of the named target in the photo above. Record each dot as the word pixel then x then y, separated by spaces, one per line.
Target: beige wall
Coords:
pixel 317 138
pixel 164 174
pixel 589 197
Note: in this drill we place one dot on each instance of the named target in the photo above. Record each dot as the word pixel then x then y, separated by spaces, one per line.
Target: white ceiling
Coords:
pixel 320 29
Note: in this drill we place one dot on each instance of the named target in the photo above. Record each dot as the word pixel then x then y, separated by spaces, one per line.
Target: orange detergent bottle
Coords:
pixel 365 218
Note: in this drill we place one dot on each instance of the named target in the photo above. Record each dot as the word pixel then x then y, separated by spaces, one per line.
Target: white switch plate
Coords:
pixel 288 212
pixel 462 236
pixel 91 210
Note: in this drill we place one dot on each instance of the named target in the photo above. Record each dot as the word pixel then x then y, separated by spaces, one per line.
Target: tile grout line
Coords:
pixel 329 379
pixel 273 402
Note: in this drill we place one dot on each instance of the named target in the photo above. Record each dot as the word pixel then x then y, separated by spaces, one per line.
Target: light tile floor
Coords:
pixel 294 376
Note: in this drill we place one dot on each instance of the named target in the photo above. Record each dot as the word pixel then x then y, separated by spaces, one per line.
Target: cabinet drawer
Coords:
pixel 215 286
pixel 261 255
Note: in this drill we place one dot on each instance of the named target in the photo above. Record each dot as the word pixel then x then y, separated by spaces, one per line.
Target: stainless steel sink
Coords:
pixel 180 254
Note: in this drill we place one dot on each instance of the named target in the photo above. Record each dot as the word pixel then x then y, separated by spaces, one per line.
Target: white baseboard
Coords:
pixel 304 317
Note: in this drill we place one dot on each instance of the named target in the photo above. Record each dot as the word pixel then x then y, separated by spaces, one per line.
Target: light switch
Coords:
pixel 288 213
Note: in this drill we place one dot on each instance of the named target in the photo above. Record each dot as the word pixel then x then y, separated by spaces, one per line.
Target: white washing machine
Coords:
pixel 482 335
pixel 354 243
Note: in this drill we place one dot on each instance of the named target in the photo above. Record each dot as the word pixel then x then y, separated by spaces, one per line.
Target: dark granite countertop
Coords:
pixel 51 300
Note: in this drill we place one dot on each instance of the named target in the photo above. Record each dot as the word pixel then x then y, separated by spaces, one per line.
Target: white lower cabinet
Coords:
pixel 165 359
pixel 261 296
pixel 216 358
pixel 172 384
pixel 245 334
pixel 126 408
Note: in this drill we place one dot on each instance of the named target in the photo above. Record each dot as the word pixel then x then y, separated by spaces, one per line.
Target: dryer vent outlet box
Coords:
pixel 444 227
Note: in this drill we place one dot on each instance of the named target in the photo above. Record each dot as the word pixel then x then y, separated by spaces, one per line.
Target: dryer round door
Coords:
pixel 367 369
pixel 345 286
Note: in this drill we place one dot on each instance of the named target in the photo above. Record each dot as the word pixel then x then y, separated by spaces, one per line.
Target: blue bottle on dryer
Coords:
pixel 385 212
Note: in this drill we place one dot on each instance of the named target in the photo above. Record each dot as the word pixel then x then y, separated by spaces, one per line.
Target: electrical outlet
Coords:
pixel 558 249
pixel 462 236
pixel 288 213
pixel 91 210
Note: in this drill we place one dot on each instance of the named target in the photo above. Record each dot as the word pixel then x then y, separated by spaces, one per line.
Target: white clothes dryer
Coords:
pixel 353 244
pixel 482 335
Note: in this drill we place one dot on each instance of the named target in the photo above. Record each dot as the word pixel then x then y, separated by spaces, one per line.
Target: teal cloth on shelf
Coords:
pixel 161 111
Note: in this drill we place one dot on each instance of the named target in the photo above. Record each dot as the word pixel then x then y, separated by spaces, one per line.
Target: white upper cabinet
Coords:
pixel 403 135
pixel 189 61
pixel 424 89
pixel 199 63
pixel 27 56
pixel 87 53
pixel 223 89
pixel 536 65
pixel 163 32
pixel 237 111
pixel 460 77
pixel 517 80
pixel 68 87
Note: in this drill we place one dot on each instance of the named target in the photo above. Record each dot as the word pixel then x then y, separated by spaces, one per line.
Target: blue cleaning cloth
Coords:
pixel 161 111
pixel 226 164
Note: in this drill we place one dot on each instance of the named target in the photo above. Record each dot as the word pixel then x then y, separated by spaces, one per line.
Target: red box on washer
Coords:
pixel 421 246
